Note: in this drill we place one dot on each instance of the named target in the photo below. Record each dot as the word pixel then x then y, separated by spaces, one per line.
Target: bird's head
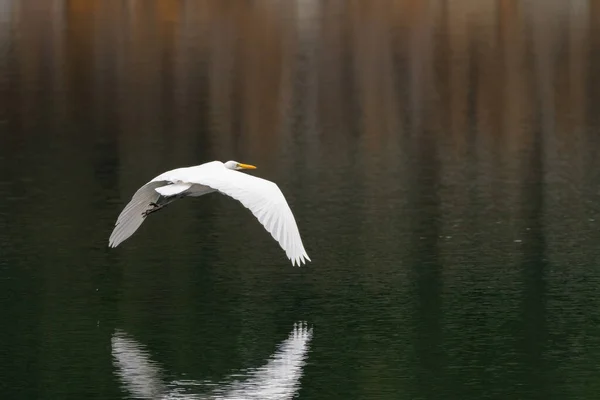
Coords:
pixel 237 166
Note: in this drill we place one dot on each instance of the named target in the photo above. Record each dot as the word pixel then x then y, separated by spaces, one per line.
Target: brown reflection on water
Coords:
pixel 497 61
pixel 377 89
pixel 172 83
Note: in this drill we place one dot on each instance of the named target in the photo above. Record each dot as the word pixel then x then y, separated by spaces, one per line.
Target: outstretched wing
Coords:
pixel 264 199
pixel 131 217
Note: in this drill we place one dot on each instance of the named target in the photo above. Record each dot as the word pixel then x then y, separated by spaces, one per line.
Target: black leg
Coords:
pixel 155 207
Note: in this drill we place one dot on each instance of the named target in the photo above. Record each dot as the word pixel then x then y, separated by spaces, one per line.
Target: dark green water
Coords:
pixel 441 162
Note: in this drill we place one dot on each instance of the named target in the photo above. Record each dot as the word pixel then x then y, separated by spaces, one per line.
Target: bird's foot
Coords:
pixel 155 207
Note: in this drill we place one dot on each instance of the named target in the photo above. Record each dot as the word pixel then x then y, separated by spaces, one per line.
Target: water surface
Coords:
pixel 441 161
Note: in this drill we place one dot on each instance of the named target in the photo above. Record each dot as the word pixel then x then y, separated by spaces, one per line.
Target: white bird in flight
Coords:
pixel 262 197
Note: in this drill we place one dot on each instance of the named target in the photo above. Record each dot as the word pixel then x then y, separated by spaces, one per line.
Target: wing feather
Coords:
pixel 131 217
pixel 172 190
pixel 264 199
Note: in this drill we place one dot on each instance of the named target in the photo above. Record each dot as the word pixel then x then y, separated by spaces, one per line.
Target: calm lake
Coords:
pixel 442 161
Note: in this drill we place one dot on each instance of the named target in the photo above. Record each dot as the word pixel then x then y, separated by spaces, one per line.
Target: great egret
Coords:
pixel 260 196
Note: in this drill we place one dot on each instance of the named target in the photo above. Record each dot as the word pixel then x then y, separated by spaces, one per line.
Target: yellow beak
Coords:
pixel 246 166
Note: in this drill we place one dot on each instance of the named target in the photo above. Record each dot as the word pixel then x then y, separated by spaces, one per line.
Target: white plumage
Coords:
pixel 262 197
pixel 277 379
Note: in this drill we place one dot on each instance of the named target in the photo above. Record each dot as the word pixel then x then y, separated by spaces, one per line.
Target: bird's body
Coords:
pixel 262 197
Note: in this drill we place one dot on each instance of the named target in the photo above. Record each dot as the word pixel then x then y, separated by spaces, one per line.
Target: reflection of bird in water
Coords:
pixel 278 379
pixel 262 197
